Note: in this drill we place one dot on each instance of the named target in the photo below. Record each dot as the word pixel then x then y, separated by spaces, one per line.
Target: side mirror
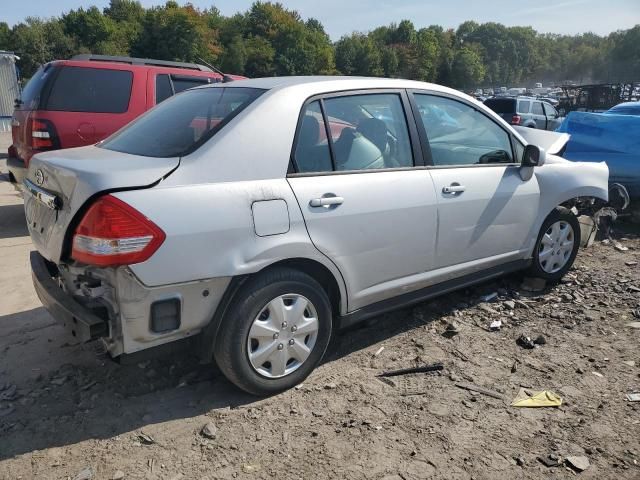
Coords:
pixel 533 156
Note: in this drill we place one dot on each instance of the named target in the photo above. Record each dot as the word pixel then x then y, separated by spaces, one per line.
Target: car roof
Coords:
pixel 319 84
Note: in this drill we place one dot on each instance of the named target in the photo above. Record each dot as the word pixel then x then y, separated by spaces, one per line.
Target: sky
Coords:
pixel 341 17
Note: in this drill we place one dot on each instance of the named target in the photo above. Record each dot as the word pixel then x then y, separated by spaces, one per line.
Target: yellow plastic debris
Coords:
pixel 527 398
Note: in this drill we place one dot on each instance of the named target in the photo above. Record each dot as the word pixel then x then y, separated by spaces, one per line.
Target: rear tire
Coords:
pixel 557 245
pixel 275 333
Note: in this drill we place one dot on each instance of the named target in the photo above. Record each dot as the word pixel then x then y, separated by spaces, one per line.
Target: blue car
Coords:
pixel 610 137
pixel 626 108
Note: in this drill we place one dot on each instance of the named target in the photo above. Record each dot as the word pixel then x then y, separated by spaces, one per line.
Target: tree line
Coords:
pixel 269 39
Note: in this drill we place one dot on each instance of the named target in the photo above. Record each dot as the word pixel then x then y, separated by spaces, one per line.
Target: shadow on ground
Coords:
pixel 12 221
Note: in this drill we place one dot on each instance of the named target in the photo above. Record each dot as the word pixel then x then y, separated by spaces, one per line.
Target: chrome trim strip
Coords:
pixel 47 199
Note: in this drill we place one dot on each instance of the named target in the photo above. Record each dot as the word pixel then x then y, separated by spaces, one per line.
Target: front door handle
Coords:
pixel 326 201
pixel 454 188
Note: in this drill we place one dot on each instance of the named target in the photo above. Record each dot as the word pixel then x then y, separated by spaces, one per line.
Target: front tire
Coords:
pixel 276 332
pixel 557 245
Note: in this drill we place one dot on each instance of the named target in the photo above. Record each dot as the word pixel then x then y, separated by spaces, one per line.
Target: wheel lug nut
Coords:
pixel 276 335
pixel 284 324
pixel 291 341
pixel 280 346
pixel 294 328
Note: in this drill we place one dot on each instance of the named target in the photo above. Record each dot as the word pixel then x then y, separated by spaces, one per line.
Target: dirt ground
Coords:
pixel 69 412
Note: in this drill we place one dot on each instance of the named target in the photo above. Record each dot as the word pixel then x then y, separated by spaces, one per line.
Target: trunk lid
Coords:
pixel 73 176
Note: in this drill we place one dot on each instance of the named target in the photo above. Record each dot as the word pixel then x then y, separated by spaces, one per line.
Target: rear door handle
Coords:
pixel 326 201
pixel 454 188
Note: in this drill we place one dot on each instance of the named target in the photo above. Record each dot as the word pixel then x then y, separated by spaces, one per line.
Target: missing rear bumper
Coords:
pixel 79 321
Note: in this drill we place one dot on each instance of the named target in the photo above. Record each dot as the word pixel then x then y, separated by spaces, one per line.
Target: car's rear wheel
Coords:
pixel 275 333
pixel 557 245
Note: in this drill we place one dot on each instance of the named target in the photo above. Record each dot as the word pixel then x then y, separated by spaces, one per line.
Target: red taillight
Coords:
pixel 113 233
pixel 42 134
pixel 515 120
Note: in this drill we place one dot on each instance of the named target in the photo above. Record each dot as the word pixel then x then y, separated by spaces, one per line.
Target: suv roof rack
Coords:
pixel 140 61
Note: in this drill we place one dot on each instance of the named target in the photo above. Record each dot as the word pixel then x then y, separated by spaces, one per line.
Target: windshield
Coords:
pixel 501 105
pixel 179 126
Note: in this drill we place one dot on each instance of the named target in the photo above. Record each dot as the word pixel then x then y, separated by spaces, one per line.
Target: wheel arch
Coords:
pixel 333 284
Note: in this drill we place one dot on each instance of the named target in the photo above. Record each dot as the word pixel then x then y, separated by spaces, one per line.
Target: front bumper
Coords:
pixel 17 172
pixel 81 322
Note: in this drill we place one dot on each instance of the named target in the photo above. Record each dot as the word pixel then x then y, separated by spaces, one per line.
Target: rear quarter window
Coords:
pixel 30 97
pixel 80 89
pixel 524 106
pixel 180 124
pixel 501 105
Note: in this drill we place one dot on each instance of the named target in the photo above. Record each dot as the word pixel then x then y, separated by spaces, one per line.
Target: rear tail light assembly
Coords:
pixel 113 233
pixel 515 120
pixel 41 135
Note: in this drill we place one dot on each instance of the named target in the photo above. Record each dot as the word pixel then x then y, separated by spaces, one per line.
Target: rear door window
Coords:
pixel 537 108
pixel 312 152
pixel 80 89
pixel 30 97
pixel 163 88
pixel 179 125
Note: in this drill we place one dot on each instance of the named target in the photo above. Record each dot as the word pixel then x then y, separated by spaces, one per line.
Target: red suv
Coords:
pixel 71 103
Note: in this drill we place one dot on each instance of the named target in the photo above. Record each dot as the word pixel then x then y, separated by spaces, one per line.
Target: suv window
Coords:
pixel 30 97
pixel 461 135
pixel 80 89
pixel 537 108
pixel 163 88
pixel 312 150
pixel 184 82
pixel 550 110
pixel 524 106
pixel 181 124
pixel 501 105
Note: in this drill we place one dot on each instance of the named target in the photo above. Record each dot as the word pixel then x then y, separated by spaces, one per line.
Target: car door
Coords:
pixel 538 115
pixel 486 212
pixel 553 117
pixel 367 203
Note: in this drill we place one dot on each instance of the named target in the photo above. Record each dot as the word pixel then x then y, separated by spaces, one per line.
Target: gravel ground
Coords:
pixel 68 412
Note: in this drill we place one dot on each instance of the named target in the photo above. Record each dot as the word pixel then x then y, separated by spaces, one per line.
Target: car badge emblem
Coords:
pixel 39 177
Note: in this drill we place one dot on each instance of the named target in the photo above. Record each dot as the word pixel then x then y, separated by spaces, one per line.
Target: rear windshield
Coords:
pixel 501 105
pixel 80 89
pixel 179 125
pixel 30 97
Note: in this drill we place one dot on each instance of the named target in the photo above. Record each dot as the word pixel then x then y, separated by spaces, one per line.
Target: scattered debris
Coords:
pixel 489 297
pixel 379 351
pixel 452 330
pixel 209 431
pixel 631 263
pixel 118 475
pixel 597 374
pixel 145 439
pixel 525 342
pixel 514 367
pixel 550 461
pixel 633 325
pixel 330 386
pixel 540 340
pixel 527 398
pixel 618 246
pixel 630 363
pixel 475 388
pixel 495 326
pixel 579 464
pixel 406 371
pixel 85 474
pixel 510 305
pixel 533 284
pixel 633 397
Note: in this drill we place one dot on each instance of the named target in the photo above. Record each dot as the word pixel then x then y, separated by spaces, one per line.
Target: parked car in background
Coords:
pixel 77 102
pixel 259 216
pixel 625 108
pixel 526 112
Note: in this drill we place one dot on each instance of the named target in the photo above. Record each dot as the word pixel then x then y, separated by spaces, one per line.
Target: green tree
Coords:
pixel 5 36
pixel 467 69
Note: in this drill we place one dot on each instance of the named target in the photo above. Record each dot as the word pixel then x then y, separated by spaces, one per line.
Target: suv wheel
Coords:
pixel 557 245
pixel 275 333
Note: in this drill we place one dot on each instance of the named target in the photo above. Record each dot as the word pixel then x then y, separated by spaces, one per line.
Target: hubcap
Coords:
pixel 282 336
pixel 556 247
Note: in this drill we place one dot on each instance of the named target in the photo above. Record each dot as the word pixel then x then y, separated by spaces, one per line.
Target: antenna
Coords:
pixel 225 78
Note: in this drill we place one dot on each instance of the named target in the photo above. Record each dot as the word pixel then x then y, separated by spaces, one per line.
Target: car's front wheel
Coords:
pixel 276 332
pixel 557 245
